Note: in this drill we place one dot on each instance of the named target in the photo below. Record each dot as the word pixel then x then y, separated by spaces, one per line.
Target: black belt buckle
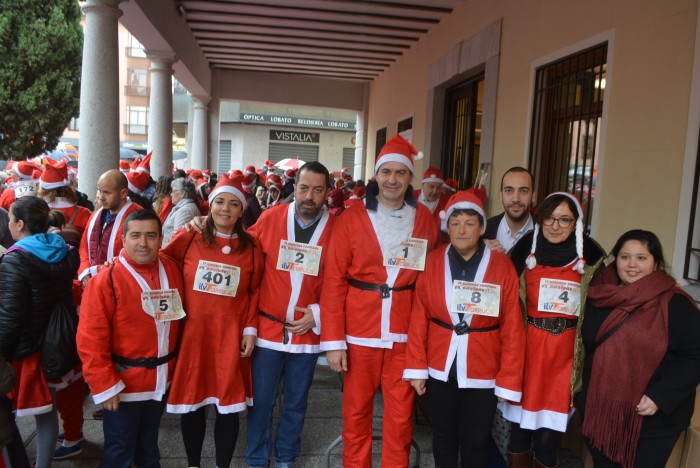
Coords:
pixel 558 325
pixel 285 336
pixel 462 328
pixel 384 290
pixel 148 363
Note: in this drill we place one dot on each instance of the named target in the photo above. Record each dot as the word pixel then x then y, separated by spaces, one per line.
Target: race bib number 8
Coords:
pixel 163 304
pixel 409 255
pixel 476 298
pixel 559 297
pixel 217 278
pixel 296 257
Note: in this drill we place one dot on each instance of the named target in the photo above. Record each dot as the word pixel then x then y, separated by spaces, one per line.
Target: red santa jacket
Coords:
pixel 112 320
pixel 7 198
pixel 489 359
pixel 362 317
pixel 97 247
pixel 82 218
pixel 281 290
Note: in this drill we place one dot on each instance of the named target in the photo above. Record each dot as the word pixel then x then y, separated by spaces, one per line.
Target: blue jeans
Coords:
pixel 295 372
pixel 131 434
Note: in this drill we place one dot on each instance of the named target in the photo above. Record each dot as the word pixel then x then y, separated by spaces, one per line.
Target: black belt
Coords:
pixel 285 332
pixel 383 289
pixel 553 325
pixel 146 362
pixel 462 328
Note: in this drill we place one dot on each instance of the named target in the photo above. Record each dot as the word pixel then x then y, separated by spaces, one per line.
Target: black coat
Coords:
pixel 30 289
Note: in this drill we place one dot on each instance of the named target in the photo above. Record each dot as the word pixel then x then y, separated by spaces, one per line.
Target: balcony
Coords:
pixel 137 90
pixel 135 129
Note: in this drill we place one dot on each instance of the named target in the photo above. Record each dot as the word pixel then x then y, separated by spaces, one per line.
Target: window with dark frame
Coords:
pixel 380 142
pixel 566 124
pixel 691 265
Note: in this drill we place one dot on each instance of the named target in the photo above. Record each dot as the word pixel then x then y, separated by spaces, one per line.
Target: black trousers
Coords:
pixel 462 419
pixel 651 453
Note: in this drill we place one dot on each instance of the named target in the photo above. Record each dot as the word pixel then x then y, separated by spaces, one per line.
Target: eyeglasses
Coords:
pixel 563 222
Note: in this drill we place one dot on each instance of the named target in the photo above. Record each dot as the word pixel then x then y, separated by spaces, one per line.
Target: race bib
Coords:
pixel 296 257
pixel 24 188
pixel 217 278
pixel 162 304
pixel 476 298
pixel 559 297
pixel 409 255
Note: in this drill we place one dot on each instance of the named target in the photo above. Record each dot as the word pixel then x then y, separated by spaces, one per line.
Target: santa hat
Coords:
pixel 398 149
pixel 463 200
pixel 274 179
pixel 36 174
pixel 124 166
pixel 451 184
pixel 137 181
pixel 201 183
pixel 345 170
pixel 8 166
pixel 358 192
pixel 432 174
pixel 235 172
pixel 145 165
pixel 579 264
pixel 276 186
pixel 250 170
pixel 134 164
pixel 45 160
pixel 195 174
pixel 290 174
pixel 24 169
pixel 54 176
pixel 229 185
pixel 269 164
pixel 248 182
pixel 206 173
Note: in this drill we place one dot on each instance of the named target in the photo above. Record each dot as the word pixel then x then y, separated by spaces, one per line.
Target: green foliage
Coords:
pixel 41 43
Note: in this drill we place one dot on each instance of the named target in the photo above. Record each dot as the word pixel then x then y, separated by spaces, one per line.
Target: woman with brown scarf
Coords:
pixel 642 358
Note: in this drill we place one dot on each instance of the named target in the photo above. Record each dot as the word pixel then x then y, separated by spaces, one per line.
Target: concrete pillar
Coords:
pixel 190 125
pixel 99 93
pixel 160 113
pixel 200 135
pixel 361 140
pixel 214 131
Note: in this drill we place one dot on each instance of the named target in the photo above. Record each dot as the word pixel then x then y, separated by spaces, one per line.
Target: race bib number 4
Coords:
pixel 559 297
pixel 24 188
pixel 476 298
pixel 296 257
pixel 217 278
pixel 409 255
pixel 162 304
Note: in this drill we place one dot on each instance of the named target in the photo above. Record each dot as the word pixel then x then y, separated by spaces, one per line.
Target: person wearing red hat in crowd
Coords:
pixel 431 194
pixel 253 209
pixel 102 239
pixel 556 262
pixel 162 202
pixel 288 182
pixel 184 196
pixel 24 183
pixel 274 191
pixel 345 175
pixel 149 191
pixel 194 175
pixel 449 187
pixel 137 182
pixel 258 178
pixel 134 164
pixel 124 166
pixel 128 336
pixel 203 190
pixel 466 339
pixel 358 195
pixel 336 200
pixel 222 272
pixel 55 189
pixel 377 251
pixel 294 239
pixel 206 174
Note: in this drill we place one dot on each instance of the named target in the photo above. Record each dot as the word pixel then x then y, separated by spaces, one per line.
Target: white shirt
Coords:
pixel 506 238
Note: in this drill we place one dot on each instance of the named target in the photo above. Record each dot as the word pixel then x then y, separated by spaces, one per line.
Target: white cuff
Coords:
pixel 509 395
pixel 250 331
pixel 316 311
pixel 109 393
pixel 409 374
pixel 92 271
pixel 333 345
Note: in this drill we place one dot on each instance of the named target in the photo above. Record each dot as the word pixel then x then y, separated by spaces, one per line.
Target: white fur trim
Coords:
pixel 228 189
pixel 133 188
pixel 531 260
pixel 53 185
pixel 394 157
pixel 460 206
pixel 432 178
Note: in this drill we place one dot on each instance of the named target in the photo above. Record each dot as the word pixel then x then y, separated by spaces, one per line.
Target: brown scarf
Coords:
pixel 624 364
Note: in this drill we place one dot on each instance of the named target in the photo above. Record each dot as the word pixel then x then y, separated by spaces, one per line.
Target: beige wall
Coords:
pixel 651 49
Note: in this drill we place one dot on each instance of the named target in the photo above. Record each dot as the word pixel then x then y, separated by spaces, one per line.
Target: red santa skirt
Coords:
pixel 31 393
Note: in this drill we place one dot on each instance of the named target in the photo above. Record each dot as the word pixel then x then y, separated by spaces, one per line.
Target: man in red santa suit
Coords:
pixel 102 239
pixel 294 238
pixel 431 193
pixel 377 251
pixel 127 341
pixel 24 175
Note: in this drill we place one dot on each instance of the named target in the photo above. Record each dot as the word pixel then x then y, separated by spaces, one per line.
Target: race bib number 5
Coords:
pixel 162 304
pixel 217 278
pixel 476 298
pixel 410 255
pixel 559 297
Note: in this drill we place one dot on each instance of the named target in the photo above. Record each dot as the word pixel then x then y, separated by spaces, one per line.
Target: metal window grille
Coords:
pixel 691 267
pixel 349 159
pixel 224 155
pixel 566 123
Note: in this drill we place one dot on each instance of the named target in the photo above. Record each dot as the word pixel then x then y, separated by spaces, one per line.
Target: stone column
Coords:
pixel 160 113
pixel 99 93
pixel 361 141
pixel 190 125
pixel 214 130
pixel 200 135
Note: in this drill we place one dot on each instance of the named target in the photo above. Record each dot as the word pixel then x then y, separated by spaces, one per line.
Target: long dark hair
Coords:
pixel 34 211
pixel 209 233
pixel 646 238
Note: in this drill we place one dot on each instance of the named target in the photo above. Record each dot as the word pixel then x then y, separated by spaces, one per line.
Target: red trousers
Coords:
pixel 69 403
pixel 368 368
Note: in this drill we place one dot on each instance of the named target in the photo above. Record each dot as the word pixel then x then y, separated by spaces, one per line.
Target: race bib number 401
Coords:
pixel 476 298
pixel 162 304
pixel 410 255
pixel 217 278
pixel 559 297
pixel 296 257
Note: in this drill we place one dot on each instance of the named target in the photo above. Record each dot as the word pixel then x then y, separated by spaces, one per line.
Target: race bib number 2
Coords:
pixel 409 255
pixel 296 257
pixel 217 278
pixel 559 297
pixel 163 305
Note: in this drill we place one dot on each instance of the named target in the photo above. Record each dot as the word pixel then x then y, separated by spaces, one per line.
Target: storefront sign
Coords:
pixel 301 137
pixel 252 117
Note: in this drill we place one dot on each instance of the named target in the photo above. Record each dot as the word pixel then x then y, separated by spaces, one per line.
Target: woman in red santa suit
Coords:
pixel 466 338
pixel 55 189
pixel 560 263
pixel 222 268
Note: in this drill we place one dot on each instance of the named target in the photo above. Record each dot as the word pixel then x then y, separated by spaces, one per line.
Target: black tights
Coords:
pixel 544 442
pixel 193 427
